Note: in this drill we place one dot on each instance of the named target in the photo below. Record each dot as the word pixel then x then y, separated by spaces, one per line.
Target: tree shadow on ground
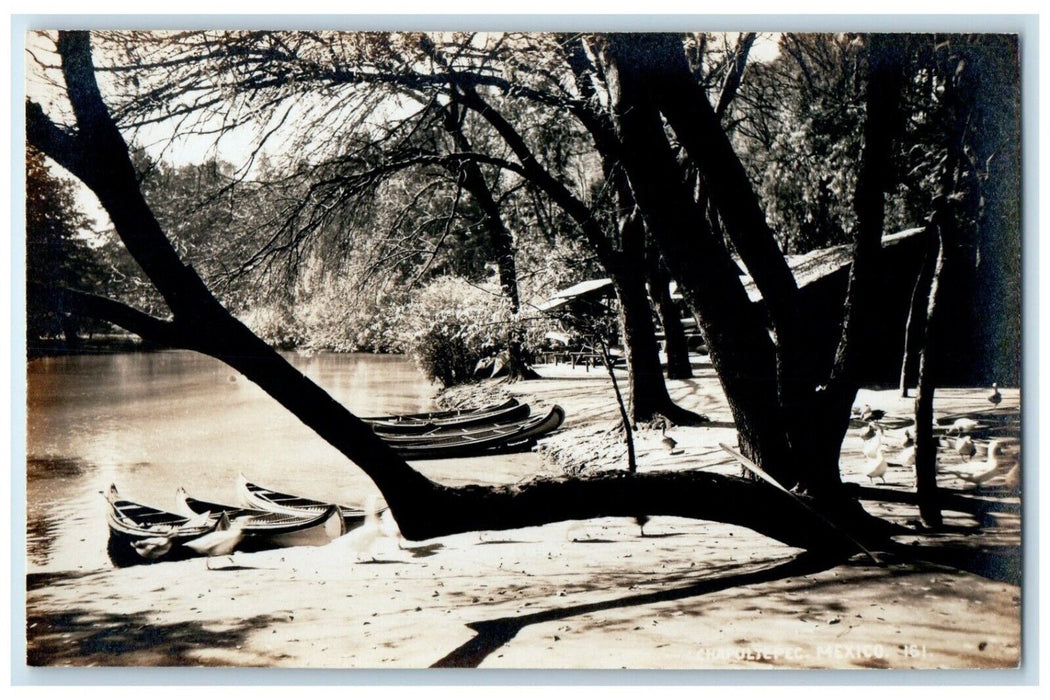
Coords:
pixel 994 562
pixel 82 638
pixel 991 423
pixel 998 563
pixel 493 634
pixel 426 550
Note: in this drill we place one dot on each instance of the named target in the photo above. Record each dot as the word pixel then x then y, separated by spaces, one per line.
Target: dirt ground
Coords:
pixel 573 595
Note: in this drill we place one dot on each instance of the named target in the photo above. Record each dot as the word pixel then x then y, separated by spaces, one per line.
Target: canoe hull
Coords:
pixel 132 524
pixel 517 437
pixel 260 498
pixel 479 419
pixel 442 415
pixel 268 530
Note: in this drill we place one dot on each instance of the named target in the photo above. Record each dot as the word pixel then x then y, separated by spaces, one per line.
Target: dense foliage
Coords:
pixel 58 253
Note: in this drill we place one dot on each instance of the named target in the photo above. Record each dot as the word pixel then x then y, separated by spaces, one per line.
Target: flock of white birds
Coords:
pixel 875 446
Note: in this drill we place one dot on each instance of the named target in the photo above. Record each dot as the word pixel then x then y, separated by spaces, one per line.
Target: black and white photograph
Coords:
pixel 674 350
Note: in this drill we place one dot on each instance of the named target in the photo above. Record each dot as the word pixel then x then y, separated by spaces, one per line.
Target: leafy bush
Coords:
pixel 336 315
pixel 452 324
pixel 275 325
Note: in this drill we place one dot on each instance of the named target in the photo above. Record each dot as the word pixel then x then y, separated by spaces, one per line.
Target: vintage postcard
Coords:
pixel 580 350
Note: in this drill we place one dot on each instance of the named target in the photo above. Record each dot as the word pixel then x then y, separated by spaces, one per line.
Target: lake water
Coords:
pixel 151 422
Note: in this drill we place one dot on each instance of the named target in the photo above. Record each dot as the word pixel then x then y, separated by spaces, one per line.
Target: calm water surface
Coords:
pixel 152 422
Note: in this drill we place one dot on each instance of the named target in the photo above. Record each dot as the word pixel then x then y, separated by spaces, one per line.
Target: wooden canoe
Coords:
pixel 517 436
pixel 267 529
pixel 140 534
pixel 258 497
pixel 444 415
pixel 480 418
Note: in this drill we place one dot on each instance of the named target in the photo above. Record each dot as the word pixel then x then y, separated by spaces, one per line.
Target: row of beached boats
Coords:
pixel 267 519
pixel 501 428
pixel 264 519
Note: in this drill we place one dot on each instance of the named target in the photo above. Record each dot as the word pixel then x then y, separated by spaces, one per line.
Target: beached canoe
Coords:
pixel 517 436
pixel 504 413
pixel 261 498
pixel 444 434
pixel 266 529
pixel 443 415
pixel 140 534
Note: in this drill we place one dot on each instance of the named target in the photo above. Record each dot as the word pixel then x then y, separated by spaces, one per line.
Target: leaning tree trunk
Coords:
pixel 740 347
pixel 882 126
pixel 915 325
pixel 925 441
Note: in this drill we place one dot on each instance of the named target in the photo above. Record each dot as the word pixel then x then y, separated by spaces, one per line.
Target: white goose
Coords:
pixel 995 465
pixel 965 447
pixel 153 547
pixel 962 426
pixel 878 467
pixel 873 444
pixel 364 540
pixel 219 542
pixel 1013 477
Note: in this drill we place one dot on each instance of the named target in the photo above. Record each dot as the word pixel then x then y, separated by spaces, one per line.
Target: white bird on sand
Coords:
pixel 364 540
pixel 873 445
pixel 153 547
pixel 995 397
pixel 867 432
pixel 878 467
pixel 997 460
pixel 965 447
pixel 221 541
pixel 907 456
pixel 388 528
pixel 995 465
pixel 962 426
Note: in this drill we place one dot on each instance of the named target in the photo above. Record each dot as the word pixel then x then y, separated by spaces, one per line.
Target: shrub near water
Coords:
pixel 452 324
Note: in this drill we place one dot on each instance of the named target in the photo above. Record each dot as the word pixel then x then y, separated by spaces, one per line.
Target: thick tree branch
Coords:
pixel 735 74
pixel 155 330
pixel 48 138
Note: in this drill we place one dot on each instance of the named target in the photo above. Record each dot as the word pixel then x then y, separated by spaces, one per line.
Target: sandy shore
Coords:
pixel 590 594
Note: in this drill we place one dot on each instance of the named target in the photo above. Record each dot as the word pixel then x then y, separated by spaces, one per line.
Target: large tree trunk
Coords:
pixel 697 126
pixel 675 344
pixel 648 391
pixel 915 325
pixel 616 262
pixel 881 128
pixel 740 347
